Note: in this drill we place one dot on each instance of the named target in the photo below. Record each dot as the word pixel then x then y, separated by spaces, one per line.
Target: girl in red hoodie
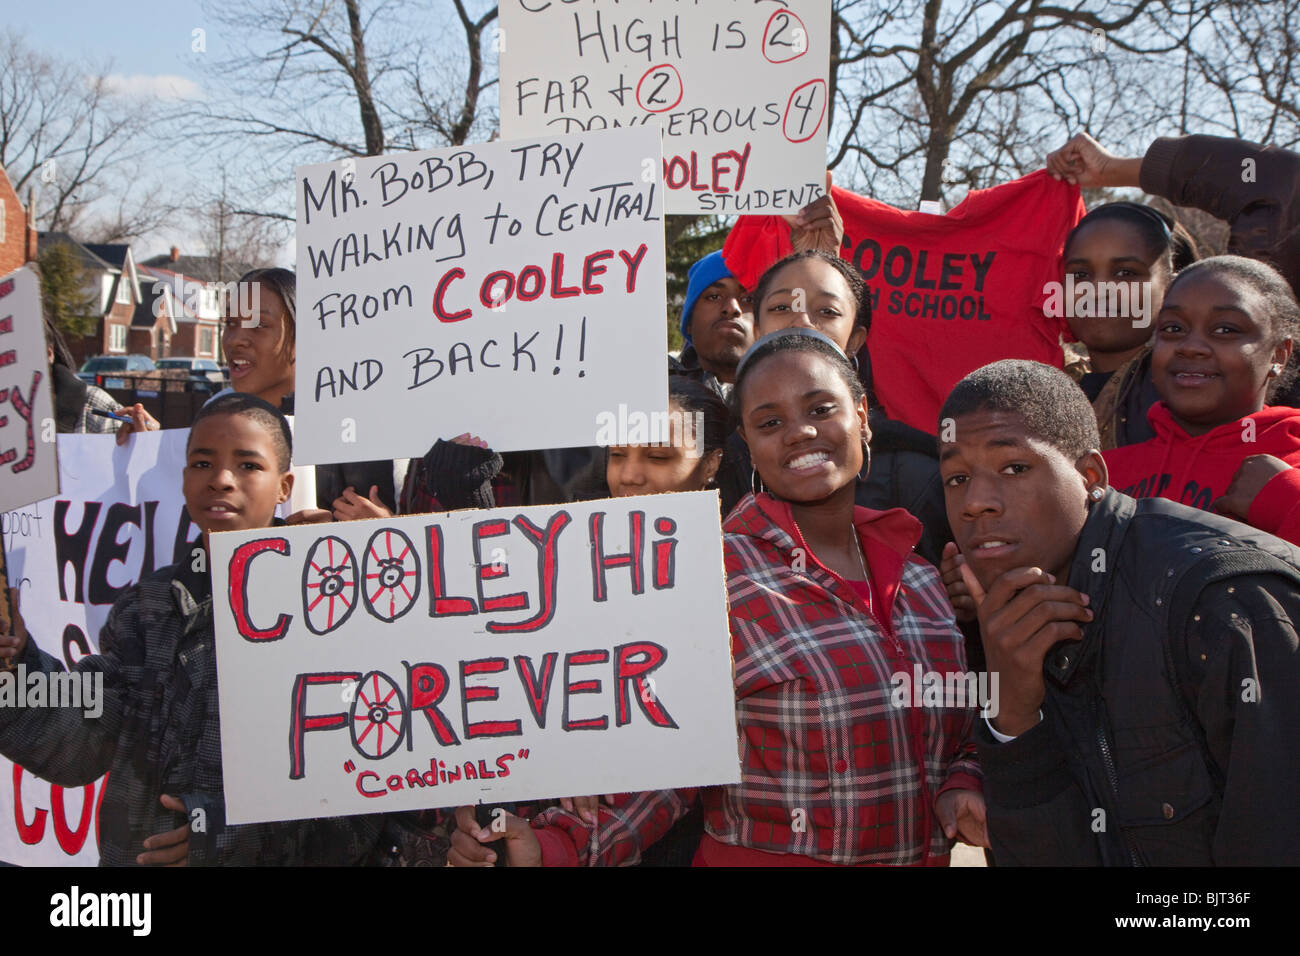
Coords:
pixel 1223 347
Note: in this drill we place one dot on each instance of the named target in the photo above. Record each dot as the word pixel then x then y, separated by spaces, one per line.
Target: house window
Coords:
pixel 205 342
pixel 2 221
pixel 117 338
pixel 123 290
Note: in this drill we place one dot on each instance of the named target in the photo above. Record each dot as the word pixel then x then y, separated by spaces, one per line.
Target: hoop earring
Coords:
pixel 853 360
pixel 865 470
pixel 755 481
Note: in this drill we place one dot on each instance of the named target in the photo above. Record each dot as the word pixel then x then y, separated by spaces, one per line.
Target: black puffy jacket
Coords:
pixel 1169 733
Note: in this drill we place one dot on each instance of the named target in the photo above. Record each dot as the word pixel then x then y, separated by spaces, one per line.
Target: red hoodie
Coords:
pixel 949 294
pixel 1196 470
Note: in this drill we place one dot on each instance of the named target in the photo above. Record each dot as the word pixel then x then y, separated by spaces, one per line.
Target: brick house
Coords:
pixel 194 306
pixel 197 282
pixel 154 325
pixel 17 239
pixel 115 284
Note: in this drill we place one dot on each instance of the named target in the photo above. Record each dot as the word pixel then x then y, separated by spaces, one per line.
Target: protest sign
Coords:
pixel 739 90
pixel 120 514
pixel 494 655
pixel 511 290
pixel 27 453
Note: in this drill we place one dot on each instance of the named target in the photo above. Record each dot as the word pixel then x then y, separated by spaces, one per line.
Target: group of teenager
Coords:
pixel 1114 544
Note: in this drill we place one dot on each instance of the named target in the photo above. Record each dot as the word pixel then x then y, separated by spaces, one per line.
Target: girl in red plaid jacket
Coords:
pixel 833 618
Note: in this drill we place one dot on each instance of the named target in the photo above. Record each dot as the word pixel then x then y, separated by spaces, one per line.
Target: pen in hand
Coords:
pixel 113 415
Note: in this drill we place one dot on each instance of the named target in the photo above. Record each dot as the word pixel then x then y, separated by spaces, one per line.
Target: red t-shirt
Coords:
pixel 950 293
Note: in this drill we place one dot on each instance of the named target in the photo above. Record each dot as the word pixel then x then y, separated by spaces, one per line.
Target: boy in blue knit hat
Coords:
pixel 717 323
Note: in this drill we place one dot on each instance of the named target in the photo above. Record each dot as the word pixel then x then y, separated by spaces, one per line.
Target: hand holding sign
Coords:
pixel 469 841
pixel 14 641
pixel 141 421
pixel 818 225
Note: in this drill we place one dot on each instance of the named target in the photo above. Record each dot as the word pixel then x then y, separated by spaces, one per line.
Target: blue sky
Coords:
pixel 142 39
pixel 148 49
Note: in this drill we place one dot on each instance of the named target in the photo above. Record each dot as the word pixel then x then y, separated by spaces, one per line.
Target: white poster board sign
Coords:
pixel 738 88
pixel 120 514
pixel 496 655
pixel 28 469
pixel 513 290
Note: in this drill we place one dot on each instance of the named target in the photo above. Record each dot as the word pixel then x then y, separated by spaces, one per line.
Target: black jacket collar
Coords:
pixel 1092 572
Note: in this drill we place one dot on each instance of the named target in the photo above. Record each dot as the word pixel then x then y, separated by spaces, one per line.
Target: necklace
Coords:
pixel 862 563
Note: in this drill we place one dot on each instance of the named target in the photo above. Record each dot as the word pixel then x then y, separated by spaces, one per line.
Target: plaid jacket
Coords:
pixel 818 729
pixel 94 424
pixel 159 734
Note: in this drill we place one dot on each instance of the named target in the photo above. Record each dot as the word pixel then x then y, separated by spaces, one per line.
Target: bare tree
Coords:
pixel 64 132
pixel 452 118
pixel 324 79
pixel 233 237
pixel 913 79
pixel 329 78
pixel 1246 64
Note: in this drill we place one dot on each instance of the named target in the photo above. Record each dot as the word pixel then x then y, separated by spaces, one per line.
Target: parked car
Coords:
pixel 100 369
pixel 205 375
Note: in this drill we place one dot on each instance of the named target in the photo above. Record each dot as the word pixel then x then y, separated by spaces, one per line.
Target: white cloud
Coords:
pixel 162 86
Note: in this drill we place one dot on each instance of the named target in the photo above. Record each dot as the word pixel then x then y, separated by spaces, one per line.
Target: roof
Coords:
pixel 88 258
pixel 155 301
pixel 114 253
pixel 203 268
pixel 5 183
pixel 111 257
pixel 184 290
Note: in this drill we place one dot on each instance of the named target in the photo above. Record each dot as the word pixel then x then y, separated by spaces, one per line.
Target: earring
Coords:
pixel 865 470
pixel 1276 370
pixel 1097 494
pixel 853 360
pixel 755 482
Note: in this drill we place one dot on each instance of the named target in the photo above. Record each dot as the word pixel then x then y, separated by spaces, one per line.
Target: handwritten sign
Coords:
pixel 738 88
pixel 512 290
pixel 120 514
pixel 27 454
pixel 506 654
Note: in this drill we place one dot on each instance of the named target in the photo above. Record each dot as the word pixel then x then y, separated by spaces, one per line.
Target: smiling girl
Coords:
pixel 816 290
pixel 828 604
pixel 1223 346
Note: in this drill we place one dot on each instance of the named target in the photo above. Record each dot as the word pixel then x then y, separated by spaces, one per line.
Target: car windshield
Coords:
pixel 105 365
pixel 174 363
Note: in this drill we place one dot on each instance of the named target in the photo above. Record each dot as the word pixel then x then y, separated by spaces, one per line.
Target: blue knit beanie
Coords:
pixel 702 274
